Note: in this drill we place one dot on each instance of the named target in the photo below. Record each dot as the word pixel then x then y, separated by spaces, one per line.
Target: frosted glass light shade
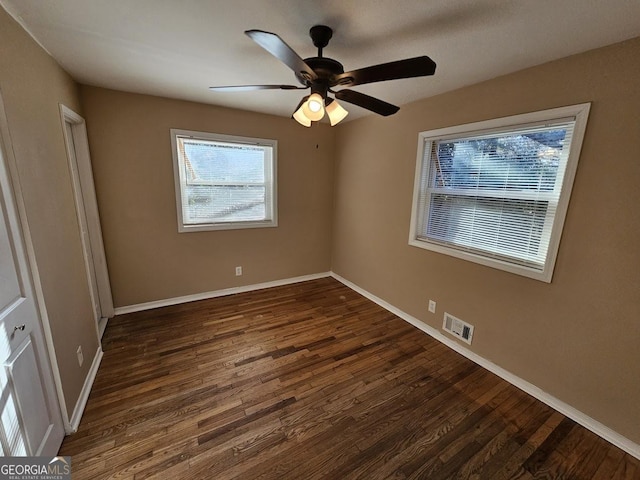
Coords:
pixel 301 118
pixel 336 112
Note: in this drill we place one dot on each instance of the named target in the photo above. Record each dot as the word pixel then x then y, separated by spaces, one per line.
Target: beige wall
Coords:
pixel 576 338
pixel 147 258
pixel 32 85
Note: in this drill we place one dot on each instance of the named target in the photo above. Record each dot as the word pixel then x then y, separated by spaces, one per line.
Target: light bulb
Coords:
pixel 315 104
pixel 313 108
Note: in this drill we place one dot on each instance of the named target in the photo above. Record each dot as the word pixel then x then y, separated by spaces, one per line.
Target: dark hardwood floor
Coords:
pixel 312 381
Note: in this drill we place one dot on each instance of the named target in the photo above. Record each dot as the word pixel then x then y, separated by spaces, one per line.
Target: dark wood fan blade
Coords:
pixel 365 101
pixel 248 88
pixel 411 67
pixel 273 44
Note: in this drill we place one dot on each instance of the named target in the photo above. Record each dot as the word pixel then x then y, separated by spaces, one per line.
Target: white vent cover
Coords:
pixel 458 328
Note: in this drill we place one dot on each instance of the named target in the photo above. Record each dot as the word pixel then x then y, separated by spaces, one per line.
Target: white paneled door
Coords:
pixel 29 408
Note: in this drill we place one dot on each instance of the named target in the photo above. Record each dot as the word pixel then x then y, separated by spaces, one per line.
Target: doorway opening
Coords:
pixel 75 134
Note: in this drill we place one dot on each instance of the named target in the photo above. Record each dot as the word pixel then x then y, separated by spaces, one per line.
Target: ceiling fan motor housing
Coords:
pixel 325 69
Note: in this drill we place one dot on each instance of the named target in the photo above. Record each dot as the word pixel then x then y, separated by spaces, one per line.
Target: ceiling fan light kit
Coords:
pixel 313 109
pixel 322 74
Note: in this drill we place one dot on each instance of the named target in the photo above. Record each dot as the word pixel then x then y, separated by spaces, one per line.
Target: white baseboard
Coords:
pixel 74 423
pixel 216 293
pixel 586 421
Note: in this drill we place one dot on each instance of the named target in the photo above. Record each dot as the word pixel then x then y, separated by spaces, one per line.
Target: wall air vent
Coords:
pixel 458 328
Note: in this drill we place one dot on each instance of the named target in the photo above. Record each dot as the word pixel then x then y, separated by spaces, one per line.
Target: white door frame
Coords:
pixel 48 360
pixel 74 126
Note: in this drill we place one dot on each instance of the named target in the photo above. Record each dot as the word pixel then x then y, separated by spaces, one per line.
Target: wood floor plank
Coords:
pixel 312 380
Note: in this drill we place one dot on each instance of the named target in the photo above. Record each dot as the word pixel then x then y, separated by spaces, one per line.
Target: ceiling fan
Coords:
pixel 323 74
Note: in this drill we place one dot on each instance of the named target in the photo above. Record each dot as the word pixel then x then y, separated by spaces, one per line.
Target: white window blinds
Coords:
pixel 224 183
pixel 494 193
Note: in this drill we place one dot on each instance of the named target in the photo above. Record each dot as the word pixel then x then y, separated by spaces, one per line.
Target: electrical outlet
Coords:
pixel 238 271
pixel 80 356
pixel 432 306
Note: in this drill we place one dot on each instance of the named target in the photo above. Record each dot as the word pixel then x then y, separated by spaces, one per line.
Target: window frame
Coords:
pixel 578 113
pixel 271 197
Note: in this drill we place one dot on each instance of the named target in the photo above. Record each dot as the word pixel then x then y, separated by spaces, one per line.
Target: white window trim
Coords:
pixel 272 197
pixel 580 112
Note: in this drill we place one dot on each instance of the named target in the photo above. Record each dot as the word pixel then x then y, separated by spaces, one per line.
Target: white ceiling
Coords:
pixel 177 48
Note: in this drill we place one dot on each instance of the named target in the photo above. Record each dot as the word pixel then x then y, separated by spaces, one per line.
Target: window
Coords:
pixel 223 182
pixel 496 192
